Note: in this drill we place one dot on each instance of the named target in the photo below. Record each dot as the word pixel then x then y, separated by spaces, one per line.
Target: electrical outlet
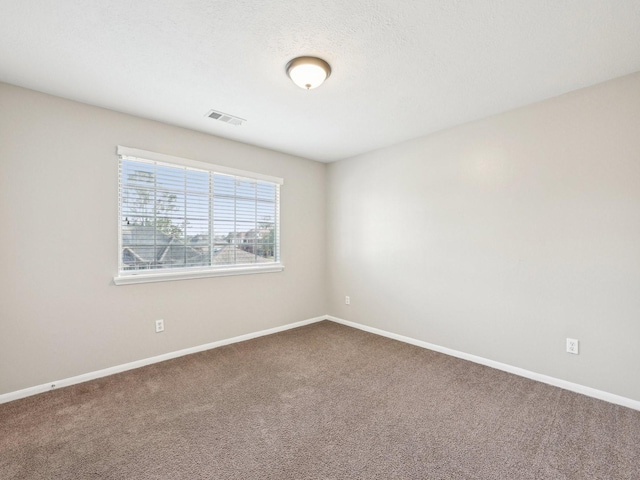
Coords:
pixel 159 326
pixel 347 300
pixel 572 346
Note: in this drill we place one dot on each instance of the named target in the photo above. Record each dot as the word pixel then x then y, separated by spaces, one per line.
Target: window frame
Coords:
pixel 126 277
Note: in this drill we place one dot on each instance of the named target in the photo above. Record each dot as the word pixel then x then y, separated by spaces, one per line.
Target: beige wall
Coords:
pixel 499 238
pixel 502 237
pixel 60 314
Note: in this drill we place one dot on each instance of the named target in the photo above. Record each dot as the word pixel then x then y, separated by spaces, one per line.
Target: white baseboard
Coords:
pixel 556 382
pixel 85 377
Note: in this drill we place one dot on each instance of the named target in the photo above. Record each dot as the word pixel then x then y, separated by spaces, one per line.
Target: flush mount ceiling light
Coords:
pixel 308 72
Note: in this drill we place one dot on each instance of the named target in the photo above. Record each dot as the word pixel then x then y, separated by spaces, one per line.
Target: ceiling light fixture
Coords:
pixel 308 72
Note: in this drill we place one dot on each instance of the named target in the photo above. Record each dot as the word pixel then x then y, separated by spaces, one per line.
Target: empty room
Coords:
pixel 320 240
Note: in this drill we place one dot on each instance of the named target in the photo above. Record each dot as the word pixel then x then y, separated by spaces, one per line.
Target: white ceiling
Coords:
pixel 401 69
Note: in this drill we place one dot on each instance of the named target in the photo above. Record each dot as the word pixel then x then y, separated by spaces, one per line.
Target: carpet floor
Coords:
pixel 322 401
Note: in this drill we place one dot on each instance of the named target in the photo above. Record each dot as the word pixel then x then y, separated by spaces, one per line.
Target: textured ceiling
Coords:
pixel 401 69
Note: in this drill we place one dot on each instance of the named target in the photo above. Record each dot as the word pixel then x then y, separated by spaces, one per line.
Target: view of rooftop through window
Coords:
pixel 179 217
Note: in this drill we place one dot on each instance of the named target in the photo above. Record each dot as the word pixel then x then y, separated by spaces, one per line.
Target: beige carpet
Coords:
pixel 319 402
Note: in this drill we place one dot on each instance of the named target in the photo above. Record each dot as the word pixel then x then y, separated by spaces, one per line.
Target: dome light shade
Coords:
pixel 308 72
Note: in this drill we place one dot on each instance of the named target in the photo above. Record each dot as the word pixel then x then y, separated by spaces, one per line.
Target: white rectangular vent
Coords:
pixel 225 117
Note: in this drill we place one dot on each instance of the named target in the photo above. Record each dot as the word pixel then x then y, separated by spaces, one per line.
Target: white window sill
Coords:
pixel 130 278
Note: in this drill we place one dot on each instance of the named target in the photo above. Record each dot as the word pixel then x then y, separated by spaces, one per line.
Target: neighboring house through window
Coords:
pixel 181 218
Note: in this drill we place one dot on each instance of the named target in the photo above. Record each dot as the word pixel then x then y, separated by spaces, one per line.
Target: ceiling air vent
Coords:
pixel 225 117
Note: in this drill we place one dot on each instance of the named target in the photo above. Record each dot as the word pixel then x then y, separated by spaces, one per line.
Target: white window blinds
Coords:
pixel 178 215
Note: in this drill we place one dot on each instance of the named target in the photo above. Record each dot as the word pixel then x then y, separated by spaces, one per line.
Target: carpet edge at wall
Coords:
pixel 556 382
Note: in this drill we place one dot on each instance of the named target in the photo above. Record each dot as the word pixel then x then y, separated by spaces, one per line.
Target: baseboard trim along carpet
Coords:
pixel 556 382
pixel 85 377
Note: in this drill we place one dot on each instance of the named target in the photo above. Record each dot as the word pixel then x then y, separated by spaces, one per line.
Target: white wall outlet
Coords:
pixel 347 301
pixel 572 346
pixel 159 326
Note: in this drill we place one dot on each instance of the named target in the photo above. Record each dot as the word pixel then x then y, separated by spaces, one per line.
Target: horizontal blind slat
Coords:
pixel 172 216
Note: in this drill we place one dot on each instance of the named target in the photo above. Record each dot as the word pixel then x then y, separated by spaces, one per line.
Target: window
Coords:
pixel 182 219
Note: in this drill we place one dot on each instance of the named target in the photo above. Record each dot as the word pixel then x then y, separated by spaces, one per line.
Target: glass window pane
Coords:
pixel 180 217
